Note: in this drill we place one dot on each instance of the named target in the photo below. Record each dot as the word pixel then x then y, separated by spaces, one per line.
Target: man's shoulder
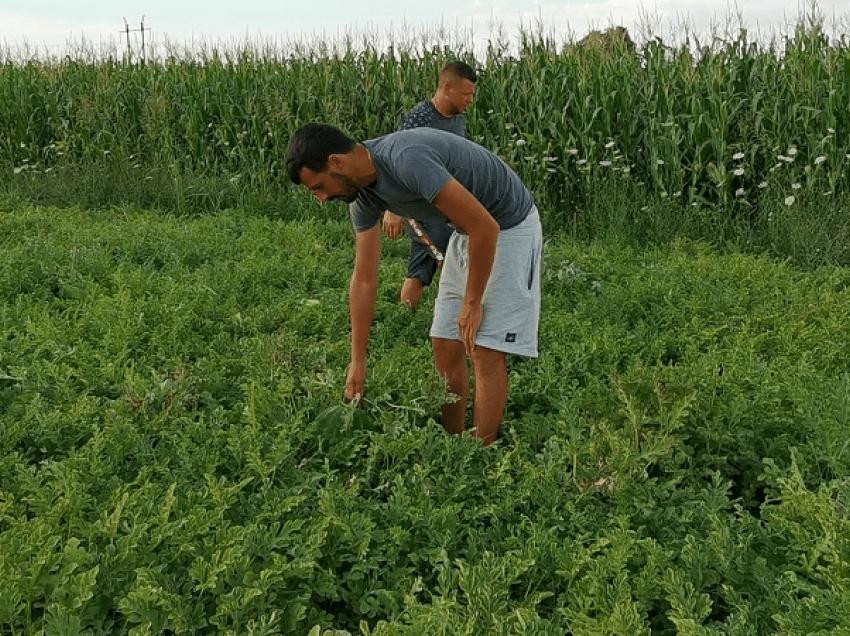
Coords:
pixel 409 142
pixel 421 115
pixel 425 106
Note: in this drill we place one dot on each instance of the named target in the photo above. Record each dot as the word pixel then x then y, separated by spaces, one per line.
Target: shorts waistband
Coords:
pixel 531 212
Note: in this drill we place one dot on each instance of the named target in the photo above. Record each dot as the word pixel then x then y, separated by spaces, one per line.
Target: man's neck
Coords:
pixel 369 171
pixel 441 106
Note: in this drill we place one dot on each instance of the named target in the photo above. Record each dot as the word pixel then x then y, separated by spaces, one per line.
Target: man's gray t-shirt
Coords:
pixel 426 114
pixel 413 167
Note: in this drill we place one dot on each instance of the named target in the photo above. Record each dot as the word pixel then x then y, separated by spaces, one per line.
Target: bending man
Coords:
pixel 488 303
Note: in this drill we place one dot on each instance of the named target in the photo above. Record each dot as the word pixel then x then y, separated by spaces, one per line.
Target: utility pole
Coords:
pixel 127 31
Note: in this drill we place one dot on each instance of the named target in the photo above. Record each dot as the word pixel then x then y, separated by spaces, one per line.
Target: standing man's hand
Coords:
pixel 469 321
pixel 355 382
pixel 393 225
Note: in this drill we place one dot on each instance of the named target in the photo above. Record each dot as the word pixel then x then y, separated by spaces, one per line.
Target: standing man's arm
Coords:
pixel 466 212
pixel 363 292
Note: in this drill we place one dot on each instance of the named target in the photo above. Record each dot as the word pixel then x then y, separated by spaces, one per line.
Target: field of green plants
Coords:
pixel 174 454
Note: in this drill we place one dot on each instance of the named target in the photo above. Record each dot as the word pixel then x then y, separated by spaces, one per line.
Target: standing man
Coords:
pixel 444 111
pixel 488 304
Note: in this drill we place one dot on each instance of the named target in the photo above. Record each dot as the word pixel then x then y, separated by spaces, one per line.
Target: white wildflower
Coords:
pixel 739 192
pixel 795 186
pixel 790 200
pixel 660 162
pixel 739 155
pixel 610 144
pixel 763 185
pixel 785 159
pixel 520 142
pixel 573 151
pixel 604 163
pixel 820 160
pixel 738 172
pixel 792 151
pixel 581 162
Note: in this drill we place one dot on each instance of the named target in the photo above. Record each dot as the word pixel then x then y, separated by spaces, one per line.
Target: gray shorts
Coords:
pixel 511 301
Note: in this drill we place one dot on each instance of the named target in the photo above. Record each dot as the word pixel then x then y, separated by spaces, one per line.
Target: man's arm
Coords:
pixel 467 213
pixel 363 292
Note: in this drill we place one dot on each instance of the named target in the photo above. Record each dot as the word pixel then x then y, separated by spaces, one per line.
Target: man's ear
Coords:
pixel 336 162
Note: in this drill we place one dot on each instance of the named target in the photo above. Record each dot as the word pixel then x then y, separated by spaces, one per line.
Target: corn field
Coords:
pixel 727 131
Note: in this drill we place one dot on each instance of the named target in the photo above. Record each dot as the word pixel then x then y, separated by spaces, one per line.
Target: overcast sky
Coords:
pixel 55 24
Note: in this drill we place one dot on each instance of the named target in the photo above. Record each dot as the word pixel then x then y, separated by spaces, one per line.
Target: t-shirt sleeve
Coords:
pixel 364 214
pixel 418 117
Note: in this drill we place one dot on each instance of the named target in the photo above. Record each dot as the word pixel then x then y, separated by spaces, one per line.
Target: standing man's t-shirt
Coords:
pixel 425 114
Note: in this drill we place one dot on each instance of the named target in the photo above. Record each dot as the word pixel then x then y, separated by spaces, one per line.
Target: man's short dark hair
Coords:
pixel 460 70
pixel 311 146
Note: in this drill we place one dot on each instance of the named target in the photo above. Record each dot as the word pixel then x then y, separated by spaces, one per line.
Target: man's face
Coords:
pixel 329 185
pixel 461 95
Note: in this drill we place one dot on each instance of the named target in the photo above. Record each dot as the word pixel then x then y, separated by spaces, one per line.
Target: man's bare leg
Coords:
pixel 411 291
pixel 450 358
pixel 491 393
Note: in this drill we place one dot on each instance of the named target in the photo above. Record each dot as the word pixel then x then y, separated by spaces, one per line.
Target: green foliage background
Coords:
pixel 704 139
pixel 174 457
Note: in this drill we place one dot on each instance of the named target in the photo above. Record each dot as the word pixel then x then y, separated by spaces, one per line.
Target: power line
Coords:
pixel 127 30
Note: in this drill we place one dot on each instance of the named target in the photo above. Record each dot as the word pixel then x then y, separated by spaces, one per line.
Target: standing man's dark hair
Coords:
pixel 311 146
pixel 457 70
